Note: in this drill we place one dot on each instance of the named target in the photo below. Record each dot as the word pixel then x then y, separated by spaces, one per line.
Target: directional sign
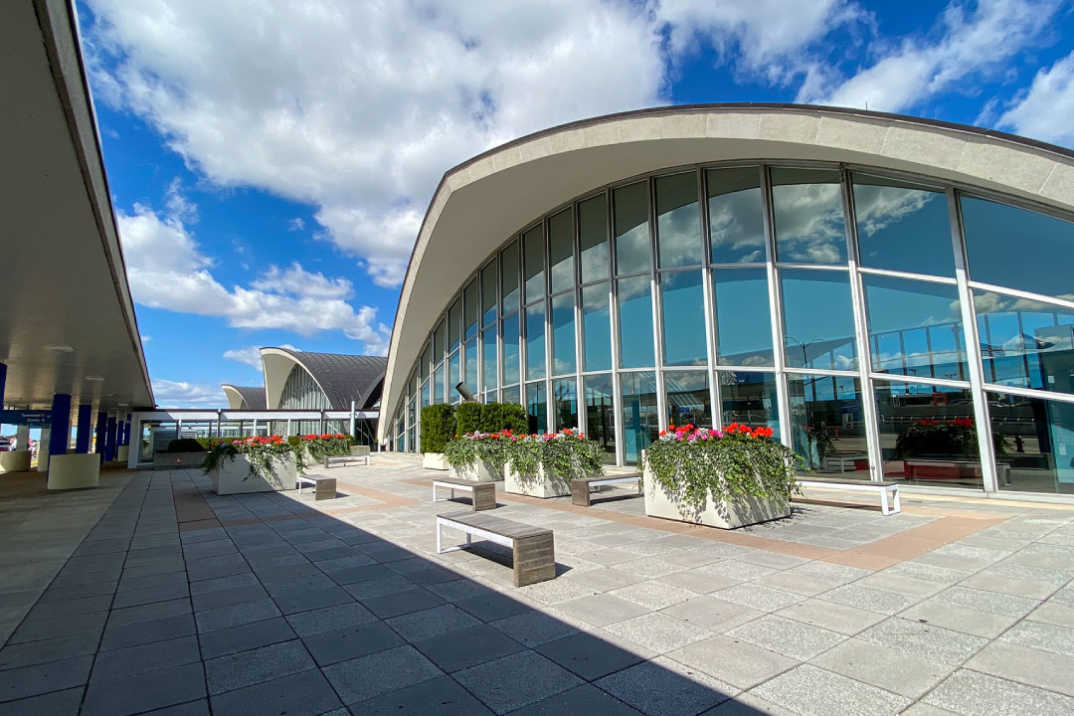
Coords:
pixel 33 418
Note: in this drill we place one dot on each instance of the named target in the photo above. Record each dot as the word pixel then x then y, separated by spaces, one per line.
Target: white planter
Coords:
pixel 231 477
pixel 725 515
pixel 18 461
pixel 434 461
pixel 123 453
pixel 73 471
pixel 477 471
pixel 543 484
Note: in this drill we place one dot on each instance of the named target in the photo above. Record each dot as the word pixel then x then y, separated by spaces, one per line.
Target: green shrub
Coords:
pixel 186 445
pixel 468 417
pixel 496 417
pixel 437 427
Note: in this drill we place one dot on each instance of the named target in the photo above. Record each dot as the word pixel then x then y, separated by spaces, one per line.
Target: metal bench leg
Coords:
pixel 884 500
pixel 434 492
pixel 439 544
pixel 897 507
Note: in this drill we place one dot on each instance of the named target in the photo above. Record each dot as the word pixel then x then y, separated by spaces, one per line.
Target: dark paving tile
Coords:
pixel 441 696
pixel 190 708
pixel 45 650
pixel 56 594
pixel 148 612
pixel 228 597
pixel 428 623
pixel 352 642
pixel 588 656
pixel 152 580
pixel 235 615
pixel 54 703
pixel 151 595
pixel 585 699
pixel 53 627
pixel 369 676
pixel 330 618
pixel 329 553
pixel 246 636
pixel 518 680
pixel 655 689
pixel 143 692
pixel 216 548
pixel 467 647
pixel 301 600
pixel 411 600
pixel 265 663
pixel 211 567
pixel 118 663
pixel 147 632
pixel 41 678
pixel 492 606
pixel 307 692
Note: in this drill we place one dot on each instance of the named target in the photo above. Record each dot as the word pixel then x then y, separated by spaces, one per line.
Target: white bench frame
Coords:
pixel 844 459
pixel 442 522
pixel 895 506
pixel 311 480
pixel 612 480
pixel 329 459
pixel 449 486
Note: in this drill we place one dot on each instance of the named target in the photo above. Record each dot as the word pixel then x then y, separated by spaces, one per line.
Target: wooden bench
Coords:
pixel 358 453
pixel 842 461
pixel 324 488
pixel 884 488
pixel 483 494
pixel 533 548
pixel 580 487
pixel 928 469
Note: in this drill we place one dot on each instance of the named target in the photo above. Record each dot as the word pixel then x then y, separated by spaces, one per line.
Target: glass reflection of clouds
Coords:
pixel 684 327
pixel 632 250
pixel 808 208
pixel 678 220
pixel 593 238
pixel 1024 343
pixel 635 323
pixel 902 227
pixel 736 215
pixel 743 326
pixel 818 320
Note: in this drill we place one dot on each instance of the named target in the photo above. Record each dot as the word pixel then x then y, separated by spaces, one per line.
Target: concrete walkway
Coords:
pixel 153 593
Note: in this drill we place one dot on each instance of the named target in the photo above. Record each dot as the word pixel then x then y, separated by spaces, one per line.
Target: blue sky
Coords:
pixel 270 163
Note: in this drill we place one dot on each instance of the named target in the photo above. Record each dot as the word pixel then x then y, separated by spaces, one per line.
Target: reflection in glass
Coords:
pixel 488 357
pixel 563 334
pixel 1034 443
pixel 509 280
pixel 593 238
pixel 1026 344
pixel 470 373
pixel 564 404
pixel 684 329
pixel 425 394
pixel 635 323
pixel 536 407
pixel 686 394
pixel 902 227
pixel 743 327
pixel 454 321
pixel 632 228
pixel 488 294
pixel 596 328
pixel 639 418
pixel 561 250
pixel 808 208
pixel 904 317
pixel 535 341
pixel 425 360
pixel 469 304
pixel 533 241
pixel 512 394
pixel 927 434
pixel 438 342
pixel 678 220
pixel 736 215
pixel 454 378
pixel 1011 247
pixel 818 320
pixel 509 357
pixel 600 413
pixel 438 385
pixel 828 424
pixel 749 398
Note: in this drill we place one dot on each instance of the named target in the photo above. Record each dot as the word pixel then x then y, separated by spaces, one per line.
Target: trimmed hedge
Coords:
pixel 503 416
pixel 468 418
pixel 437 427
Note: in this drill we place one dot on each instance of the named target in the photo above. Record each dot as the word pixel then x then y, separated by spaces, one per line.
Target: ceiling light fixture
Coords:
pixel 60 349
pixel 95 378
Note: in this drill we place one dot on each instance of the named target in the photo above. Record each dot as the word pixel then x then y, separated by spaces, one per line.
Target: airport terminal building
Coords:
pixel 891 295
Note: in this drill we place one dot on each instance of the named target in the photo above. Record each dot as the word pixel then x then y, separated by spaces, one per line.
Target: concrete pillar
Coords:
pixel 102 423
pixel 42 450
pixel 85 417
pixel 22 437
pixel 110 440
pixel 134 454
pixel 60 428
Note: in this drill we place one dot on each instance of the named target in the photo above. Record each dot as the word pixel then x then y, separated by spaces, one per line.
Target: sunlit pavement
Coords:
pixel 153 593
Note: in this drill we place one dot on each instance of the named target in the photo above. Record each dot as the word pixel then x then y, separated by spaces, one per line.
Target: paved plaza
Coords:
pixel 151 594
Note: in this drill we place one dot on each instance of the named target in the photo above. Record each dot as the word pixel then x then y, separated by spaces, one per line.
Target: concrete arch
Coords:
pixel 481 202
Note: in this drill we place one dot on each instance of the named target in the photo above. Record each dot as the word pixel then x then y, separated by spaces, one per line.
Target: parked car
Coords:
pixel 5 445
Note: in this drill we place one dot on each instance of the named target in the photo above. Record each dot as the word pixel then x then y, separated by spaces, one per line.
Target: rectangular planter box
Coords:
pixel 74 471
pixel 543 484
pixel 233 476
pixel 18 461
pixel 434 461
pixel 725 515
pixel 478 471
pixel 177 460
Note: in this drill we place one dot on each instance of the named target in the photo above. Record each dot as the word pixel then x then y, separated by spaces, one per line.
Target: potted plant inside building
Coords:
pixel 437 429
pixel 721 478
pixel 181 453
pixel 544 465
pixel 254 464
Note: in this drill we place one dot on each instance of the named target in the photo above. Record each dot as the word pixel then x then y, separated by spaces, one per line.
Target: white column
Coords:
pixel 22 437
pixel 42 449
pixel 134 448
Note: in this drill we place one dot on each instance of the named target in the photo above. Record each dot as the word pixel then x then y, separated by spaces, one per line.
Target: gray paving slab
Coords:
pixel 441 695
pixel 1047 670
pixel 330 647
pixel 264 663
pixel 658 631
pixel 405 602
pixel 711 614
pixel 976 694
pixel 517 680
pixel 925 641
pixel 428 623
pixel 895 671
pixel 732 661
pixel 330 618
pixel 603 609
pixel 45 650
pixel 55 703
pixel 795 639
pixel 305 692
pixel 662 687
pixel 589 656
pixel 145 632
pixel 533 628
pixel 118 663
pixel 25 681
pixel 244 637
pixel 144 692
pixel 369 676
pixel 809 690
pixel 236 615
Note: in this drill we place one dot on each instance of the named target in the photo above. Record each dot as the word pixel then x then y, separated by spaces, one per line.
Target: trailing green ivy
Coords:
pixel 691 465
pixel 491 448
pixel 260 453
pixel 566 454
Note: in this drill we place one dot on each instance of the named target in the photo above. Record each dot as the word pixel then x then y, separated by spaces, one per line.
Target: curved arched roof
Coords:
pixel 481 202
pixel 342 378
pixel 247 397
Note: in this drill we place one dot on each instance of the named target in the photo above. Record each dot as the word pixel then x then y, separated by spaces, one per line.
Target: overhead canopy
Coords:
pixel 481 202
pixel 67 322
pixel 245 397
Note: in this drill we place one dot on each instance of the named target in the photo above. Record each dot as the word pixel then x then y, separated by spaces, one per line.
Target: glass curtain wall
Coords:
pixel 820 301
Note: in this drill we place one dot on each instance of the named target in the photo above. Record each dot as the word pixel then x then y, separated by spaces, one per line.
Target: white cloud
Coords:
pixel 251 355
pixel 166 269
pixel 146 339
pixel 964 44
pixel 296 224
pixel 181 394
pixel 1045 110
pixel 358 108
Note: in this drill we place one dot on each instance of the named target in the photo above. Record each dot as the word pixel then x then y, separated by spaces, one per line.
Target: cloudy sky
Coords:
pixel 270 161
